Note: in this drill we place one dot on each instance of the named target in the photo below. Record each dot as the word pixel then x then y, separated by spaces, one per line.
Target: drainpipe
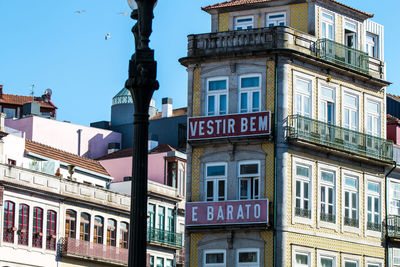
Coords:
pixel 275 161
pixel 386 213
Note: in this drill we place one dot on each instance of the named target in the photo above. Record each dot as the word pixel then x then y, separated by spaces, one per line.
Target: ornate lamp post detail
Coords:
pixel 141 83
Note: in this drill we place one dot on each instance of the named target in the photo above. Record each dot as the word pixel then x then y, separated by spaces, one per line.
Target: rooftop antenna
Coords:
pixel 33 92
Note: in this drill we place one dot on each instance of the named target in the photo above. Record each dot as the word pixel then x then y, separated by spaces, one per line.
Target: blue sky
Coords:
pixel 47 43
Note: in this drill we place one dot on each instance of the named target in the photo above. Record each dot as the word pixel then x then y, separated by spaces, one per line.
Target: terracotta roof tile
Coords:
pixel 124 153
pixel 162 148
pixel 233 3
pixel 175 113
pixel 20 100
pixel 394 97
pixel 53 153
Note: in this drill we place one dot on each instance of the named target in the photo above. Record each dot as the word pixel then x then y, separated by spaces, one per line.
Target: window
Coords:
pixel 8 226
pixel 217 94
pixel 181 179
pixel 302 260
pixel 171 220
pixel 327 200
pixel 161 218
pixel 371 45
pixel 373 265
pixel 248 258
pixel 326 262
pixel 327 26
pixel 70 224
pixel 151 261
pixel 123 239
pixel 373 117
pixel 276 19
pixel 249 180
pixel 98 230
pixel 171 177
pixel 216 182
pixel 326 258
pixel 348 263
pixel 242 23
pixel 214 258
pixel 37 227
pixel 23 224
pixel 373 206
pixel 327 104
pixel 111 232
pixel 169 263
pixel 85 227
pixel 160 262
pixel 250 90
pixel 394 202
pixel 10 112
pixel 302 184
pixel 152 215
pixel 350 117
pixel 396 257
pixel 12 162
pixel 303 90
pixel 51 230
pixel 351 201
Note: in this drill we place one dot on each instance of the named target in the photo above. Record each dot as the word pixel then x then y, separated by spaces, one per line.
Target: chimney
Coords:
pixel 166 107
pixel 1 91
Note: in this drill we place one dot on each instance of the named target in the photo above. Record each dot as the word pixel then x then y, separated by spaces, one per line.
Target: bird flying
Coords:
pixel 108 36
pixel 80 11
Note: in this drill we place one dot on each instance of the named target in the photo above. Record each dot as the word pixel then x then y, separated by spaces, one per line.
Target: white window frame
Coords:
pixel 276 22
pixel 302 250
pixel 334 170
pixel 250 91
pixel 393 257
pixel 379 115
pixel 392 208
pixel 255 177
pixel 373 179
pixel 375 261
pixel 255 264
pixel 356 94
pixel 351 29
pixel 327 23
pixel 327 254
pixel 325 100
pixel 348 173
pixel 244 25
pixel 305 78
pixel 351 258
pixel 217 94
pixel 212 251
pixel 374 45
pixel 310 165
pixel 215 181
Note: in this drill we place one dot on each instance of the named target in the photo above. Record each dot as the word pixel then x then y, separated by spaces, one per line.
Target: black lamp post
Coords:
pixel 141 83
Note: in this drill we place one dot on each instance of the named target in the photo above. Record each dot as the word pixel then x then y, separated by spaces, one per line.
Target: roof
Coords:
pixel 394 97
pixel 233 3
pixel 20 100
pixel 391 120
pixel 56 154
pixel 175 113
pixel 128 152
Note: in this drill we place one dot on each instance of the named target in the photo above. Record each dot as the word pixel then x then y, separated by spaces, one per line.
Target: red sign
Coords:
pixel 246 124
pixel 226 212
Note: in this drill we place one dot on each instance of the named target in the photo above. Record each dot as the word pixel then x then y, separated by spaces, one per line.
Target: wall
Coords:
pixel 93 142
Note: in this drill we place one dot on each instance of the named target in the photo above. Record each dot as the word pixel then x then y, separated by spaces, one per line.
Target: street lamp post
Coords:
pixel 141 83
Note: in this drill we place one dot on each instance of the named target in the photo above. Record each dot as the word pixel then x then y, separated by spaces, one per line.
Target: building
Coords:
pixel 309 190
pixel 56 209
pixel 18 106
pixel 393 105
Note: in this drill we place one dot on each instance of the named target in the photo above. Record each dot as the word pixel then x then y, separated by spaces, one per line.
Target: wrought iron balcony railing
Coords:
pixel 351 222
pixel 302 212
pixel 339 138
pixel 342 54
pixel 327 217
pixel 393 226
pixel 164 237
pixel 84 249
pixel 374 226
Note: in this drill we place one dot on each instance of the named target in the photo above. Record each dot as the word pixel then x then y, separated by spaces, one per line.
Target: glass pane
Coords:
pixel 350 264
pixel 243 102
pixel 211 105
pixel 210 190
pixel 221 190
pixel 326 262
pixel 250 82
pixel 218 170
pixel 372 107
pixel 354 200
pixel 243 189
pixel 330 195
pixel 217 85
pixel 327 92
pixel 369 204
pixel 327 176
pixel 244 20
pixel 249 169
pixel 302 259
pixel 327 16
pixel 302 85
pixel 373 187
pixel 247 256
pixel 222 104
pixel 275 16
pixel 256 101
pixel 214 258
pixel 351 182
pixel 350 100
pixel 298 189
pixel 302 171
pixel 305 190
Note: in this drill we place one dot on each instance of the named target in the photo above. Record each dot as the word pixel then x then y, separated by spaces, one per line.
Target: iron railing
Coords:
pixel 339 138
pixel 393 226
pixel 374 226
pixel 343 55
pixel 351 222
pixel 328 217
pixel 164 237
pixel 302 212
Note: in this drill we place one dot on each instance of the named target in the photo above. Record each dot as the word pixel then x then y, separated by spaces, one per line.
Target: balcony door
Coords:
pixel 350 40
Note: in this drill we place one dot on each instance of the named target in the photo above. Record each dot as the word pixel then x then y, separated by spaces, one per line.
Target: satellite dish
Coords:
pixel 48 92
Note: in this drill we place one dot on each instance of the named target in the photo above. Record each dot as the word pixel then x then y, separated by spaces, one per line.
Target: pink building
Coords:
pixel 81 140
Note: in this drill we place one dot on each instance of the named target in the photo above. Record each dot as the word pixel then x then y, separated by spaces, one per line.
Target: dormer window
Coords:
pixel 327 26
pixel 276 19
pixel 243 23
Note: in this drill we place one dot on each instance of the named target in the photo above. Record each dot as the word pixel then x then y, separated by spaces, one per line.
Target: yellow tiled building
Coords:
pixel 317 67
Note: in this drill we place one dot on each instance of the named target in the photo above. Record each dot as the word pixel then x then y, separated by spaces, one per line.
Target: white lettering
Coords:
pixel 252 124
pixel 231 126
pixel 243 125
pixel 193 127
pixel 262 123
pixel 220 214
pixel 210 127
pixel 248 211
pixel 194 214
pixel 257 211
pixel 210 213
pixel 201 128
pixel 218 122
pixel 229 212
pixel 240 213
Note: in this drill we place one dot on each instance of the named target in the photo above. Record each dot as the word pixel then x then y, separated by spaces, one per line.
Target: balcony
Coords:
pixel 393 226
pixel 163 237
pixel 71 247
pixel 303 129
pixel 343 55
pixel 264 41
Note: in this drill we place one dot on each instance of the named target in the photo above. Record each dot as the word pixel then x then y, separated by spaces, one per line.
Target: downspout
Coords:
pixel 386 214
pixel 275 161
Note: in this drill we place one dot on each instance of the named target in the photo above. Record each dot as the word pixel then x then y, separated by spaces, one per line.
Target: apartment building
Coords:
pixel 310 189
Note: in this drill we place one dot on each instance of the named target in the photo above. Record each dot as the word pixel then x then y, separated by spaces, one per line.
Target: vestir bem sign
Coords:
pixel 226 212
pixel 245 124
